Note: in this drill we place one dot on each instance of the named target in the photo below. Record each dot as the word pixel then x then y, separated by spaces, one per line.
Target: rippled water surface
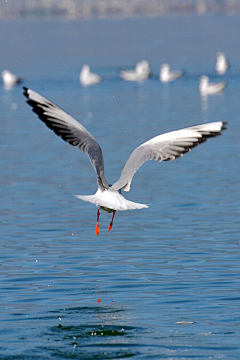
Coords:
pixel 167 276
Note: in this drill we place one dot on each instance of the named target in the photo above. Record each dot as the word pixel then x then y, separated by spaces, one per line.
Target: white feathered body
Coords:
pixel 9 79
pixel 166 75
pixel 87 78
pixel 141 72
pixel 221 64
pixel 207 88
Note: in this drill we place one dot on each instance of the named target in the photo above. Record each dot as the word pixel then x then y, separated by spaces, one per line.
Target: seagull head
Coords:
pixel 142 67
pixel 220 55
pixel 165 68
pixel 5 73
pixel 120 190
pixel 86 69
pixel 204 80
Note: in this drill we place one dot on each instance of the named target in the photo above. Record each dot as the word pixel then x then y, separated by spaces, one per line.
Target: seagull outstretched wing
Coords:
pixel 166 147
pixel 69 130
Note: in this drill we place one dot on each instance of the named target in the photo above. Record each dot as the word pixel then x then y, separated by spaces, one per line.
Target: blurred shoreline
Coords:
pixel 77 9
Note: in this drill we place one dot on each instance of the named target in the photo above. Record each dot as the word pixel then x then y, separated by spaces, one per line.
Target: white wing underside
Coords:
pixel 166 147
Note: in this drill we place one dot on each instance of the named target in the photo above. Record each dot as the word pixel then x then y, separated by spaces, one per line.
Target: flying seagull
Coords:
pixel 163 147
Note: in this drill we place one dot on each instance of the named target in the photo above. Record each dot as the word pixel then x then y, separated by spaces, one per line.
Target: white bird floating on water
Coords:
pixel 141 72
pixel 207 88
pixel 221 63
pixel 88 78
pixel 166 75
pixel 163 147
pixel 9 79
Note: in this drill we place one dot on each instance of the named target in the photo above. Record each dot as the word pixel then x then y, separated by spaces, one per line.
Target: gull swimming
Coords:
pixel 141 72
pixel 88 78
pixel 163 147
pixel 207 88
pixel 221 63
pixel 166 75
pixel 9 79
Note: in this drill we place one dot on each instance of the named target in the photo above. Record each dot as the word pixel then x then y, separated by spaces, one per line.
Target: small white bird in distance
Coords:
pixel 9 79
pixel 166 75
pixel 221 63
pixel 207 88
pixel 88 78
pixel 163 147
pixel 140 73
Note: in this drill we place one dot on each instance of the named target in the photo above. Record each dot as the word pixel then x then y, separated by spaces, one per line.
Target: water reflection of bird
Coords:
pixel 140 73
pixel 163 147
pixel 166 75
pixel 207 88
pixel 88 78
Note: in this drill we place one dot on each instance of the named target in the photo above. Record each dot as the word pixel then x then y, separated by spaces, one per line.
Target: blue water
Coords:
pixel 179 260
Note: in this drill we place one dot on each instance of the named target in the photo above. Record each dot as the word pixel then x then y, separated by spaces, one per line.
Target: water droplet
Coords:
pixel 74 341
pixel 60 325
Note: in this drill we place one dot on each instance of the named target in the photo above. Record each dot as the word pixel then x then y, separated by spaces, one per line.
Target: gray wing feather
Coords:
pixel 69 130
pixel 166 147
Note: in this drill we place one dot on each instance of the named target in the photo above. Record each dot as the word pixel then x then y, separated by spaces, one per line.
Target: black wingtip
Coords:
pixel 25 92
pixel 224 125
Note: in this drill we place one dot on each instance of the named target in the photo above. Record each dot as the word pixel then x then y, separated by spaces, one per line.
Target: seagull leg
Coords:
pixel 110 226
pixel 97 226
